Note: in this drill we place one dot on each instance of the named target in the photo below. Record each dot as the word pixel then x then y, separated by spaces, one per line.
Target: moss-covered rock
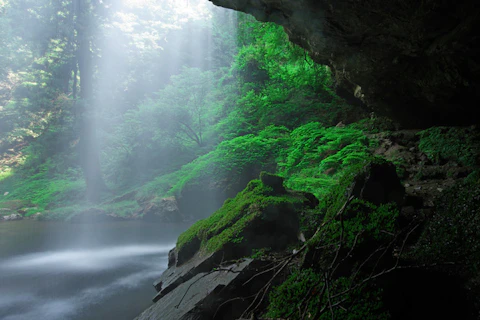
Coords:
pixel 259 216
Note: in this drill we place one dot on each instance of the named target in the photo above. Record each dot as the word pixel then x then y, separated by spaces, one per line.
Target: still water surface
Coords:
pixel 60 271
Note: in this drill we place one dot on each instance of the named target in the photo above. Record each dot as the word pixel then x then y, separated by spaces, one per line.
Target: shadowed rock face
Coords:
pixel 417 61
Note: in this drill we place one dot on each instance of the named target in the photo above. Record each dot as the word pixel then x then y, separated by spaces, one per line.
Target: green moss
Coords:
pixel 317 156
pixel 43 190
pixel 226 224
pixel 452 233
pixel 443 144
pixel 224 165
pixel 364 227
pixel 305 292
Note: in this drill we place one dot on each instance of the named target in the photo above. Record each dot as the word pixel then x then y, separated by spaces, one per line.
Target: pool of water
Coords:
pixel 66 271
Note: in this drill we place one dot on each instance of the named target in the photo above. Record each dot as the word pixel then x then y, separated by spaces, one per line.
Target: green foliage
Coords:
pixel 63 213
pixel 357 233
pixel 443 144
pixel 375 224
pixel 306 293
pixel 276 84
pixel 231 160
pixel 317 156
pixel 43 190
pixel 375 124
pixel 285 300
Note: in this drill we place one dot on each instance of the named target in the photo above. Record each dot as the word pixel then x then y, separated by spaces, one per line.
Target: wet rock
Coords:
pixel 172 258
pixel 210 295
pixel 175 275
pixel 379 184
pixel 12 217
pixel 162 210
pixel 273 181
pixel 187 251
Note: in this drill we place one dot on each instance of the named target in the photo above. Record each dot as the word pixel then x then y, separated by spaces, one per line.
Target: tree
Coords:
pixel 183 105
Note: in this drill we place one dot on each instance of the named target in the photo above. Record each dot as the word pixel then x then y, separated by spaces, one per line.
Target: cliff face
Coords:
pixel 417 61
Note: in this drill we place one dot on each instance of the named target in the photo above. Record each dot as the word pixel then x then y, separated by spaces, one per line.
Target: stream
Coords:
pixel 52 270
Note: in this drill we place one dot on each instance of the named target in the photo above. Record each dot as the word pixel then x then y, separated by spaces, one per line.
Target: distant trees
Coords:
pixel 183 105
pixel 112 92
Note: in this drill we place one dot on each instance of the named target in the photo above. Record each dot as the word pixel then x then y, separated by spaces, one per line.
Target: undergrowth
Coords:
pixel 458 144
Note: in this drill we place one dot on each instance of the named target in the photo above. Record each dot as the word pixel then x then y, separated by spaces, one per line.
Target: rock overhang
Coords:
pixel 415 61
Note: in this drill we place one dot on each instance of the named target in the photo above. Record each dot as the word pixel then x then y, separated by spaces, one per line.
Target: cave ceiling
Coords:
pixel 415 60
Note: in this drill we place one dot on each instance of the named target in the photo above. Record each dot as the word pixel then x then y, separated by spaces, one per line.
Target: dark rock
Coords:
pixel 176 275
pixel 310 200
pixel 401 58
pixel 204 295
pixel 273 181
pixel 379 184
pixel 162 210
pixel 172 258
pixel 187 251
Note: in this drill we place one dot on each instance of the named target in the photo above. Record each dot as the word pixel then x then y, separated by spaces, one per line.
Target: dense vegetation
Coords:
pixel 243 103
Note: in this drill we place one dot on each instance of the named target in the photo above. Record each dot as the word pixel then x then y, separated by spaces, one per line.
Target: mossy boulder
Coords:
pixel 258 217
pixel 162 210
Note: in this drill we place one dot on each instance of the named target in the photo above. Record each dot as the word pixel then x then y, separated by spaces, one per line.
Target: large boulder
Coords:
pixel 223 293
pixel 201 281
pixel 261 216
pixel 414 60
pixel 162 210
